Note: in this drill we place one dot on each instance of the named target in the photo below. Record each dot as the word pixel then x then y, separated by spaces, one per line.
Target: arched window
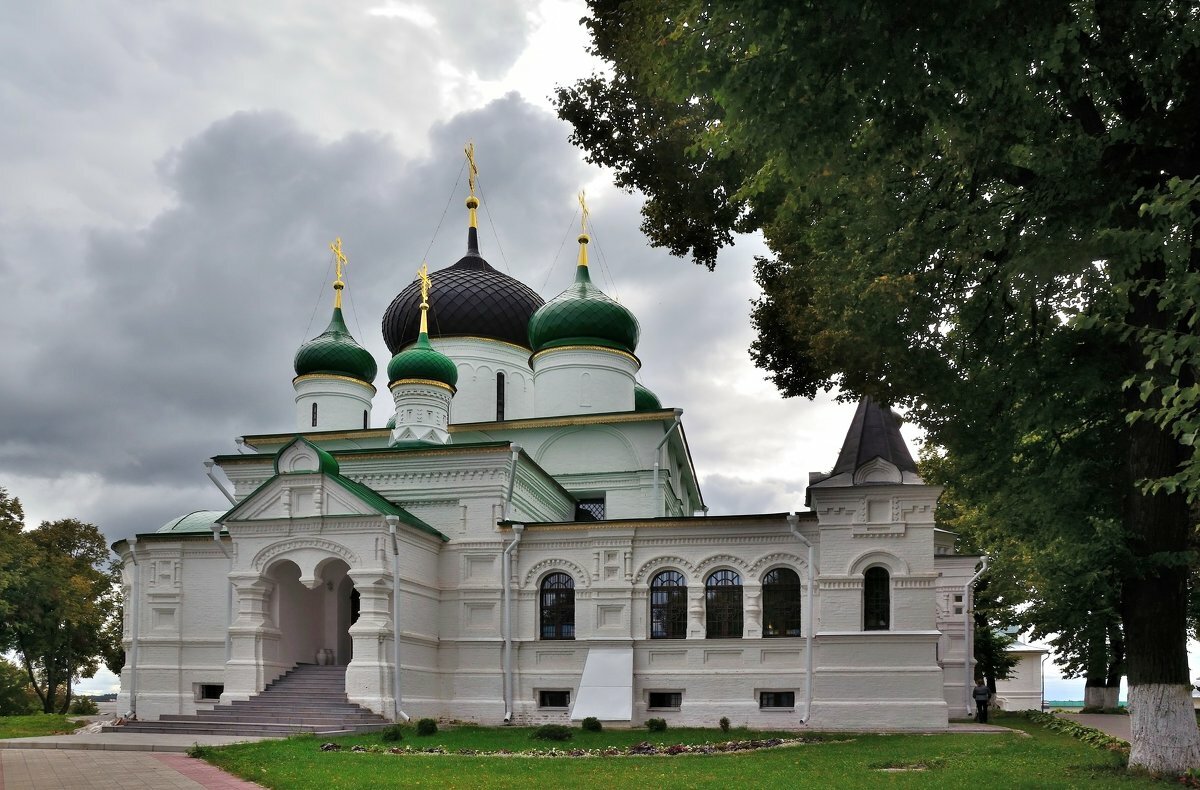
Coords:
pixel 558 606
pixel 877 600
pixel 782 603
pixel 364 419
pixel 668 606
pixel 723 605
pixel 314 419
pixel 500 396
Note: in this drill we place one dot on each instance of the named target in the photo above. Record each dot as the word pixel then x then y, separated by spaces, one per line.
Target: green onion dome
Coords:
pixel 391 423
pixel 422 361
pixel 335 352
pixel 583 315
pixel 644 399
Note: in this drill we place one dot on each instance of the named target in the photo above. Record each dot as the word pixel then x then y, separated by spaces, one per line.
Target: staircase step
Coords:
pixel 308 698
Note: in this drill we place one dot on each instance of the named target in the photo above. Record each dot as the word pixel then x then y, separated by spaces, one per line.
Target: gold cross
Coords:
pixel 426 283
pixel 472 170
pixel 336 249
pixel 583 207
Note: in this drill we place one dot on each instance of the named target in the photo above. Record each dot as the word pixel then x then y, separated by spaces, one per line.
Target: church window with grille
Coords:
pixel 314 415
pixel 500 397
pixel 782 603
pixel 877 600
pixel 723 605
pixel 589 509
pixel 558 606
pixel 668 606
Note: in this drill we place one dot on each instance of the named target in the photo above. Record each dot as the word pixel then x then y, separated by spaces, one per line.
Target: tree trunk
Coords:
pixel 1154 604
pixel 1100 696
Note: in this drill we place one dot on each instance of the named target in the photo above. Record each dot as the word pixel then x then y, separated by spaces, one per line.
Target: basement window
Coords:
pixel 209 692
pixel 554 699
pixel 777 699
pixel 664 700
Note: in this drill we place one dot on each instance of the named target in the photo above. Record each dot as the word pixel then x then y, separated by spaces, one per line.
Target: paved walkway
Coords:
pixel 112 761
pixel 1113 724
pixel 55 769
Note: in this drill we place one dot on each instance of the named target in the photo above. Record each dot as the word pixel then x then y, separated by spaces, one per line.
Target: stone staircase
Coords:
pixel 308 698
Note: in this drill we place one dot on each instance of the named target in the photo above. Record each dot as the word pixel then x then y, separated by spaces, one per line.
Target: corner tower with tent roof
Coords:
pixel 528 542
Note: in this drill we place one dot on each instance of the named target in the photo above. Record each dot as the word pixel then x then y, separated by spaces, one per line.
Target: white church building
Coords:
pixel 526 541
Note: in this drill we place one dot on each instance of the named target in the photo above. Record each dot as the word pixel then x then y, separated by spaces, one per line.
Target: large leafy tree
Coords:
pixel 984 211
pixel 59 596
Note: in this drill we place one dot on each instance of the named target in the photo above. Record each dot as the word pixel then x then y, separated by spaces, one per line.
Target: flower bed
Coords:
pixel 643 749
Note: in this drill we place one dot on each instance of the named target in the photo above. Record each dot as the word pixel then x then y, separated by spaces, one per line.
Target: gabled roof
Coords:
pixel 327 467
pixel 874 433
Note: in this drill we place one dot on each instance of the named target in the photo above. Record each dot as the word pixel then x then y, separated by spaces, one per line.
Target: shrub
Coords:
pixel 553 732
pixel 724 723
pixel 84 706
pixel 426 727
pixel 592 724
pixel 392 732
pixel 656 725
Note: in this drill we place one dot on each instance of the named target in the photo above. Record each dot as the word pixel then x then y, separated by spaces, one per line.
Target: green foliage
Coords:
pixel 1078 731
pixel 656 725
pixel 553 732
pixel 16 696
pixel 427 727
pixel 393 732
pixel 84 706
pixel 592 724
pixel 724 724
pixel 58 587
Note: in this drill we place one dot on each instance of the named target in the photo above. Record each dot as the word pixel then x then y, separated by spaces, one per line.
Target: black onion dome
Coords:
pixel 468 299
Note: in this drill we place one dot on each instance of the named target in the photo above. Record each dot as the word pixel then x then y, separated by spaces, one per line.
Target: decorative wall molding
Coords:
pixel 264 556
pixel 688 570
pixel 581 577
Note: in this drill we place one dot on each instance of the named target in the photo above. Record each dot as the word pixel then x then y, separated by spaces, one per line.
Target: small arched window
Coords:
pixel 364 419
pixel 668 606
pixel 500 397
pixel 877 600
pixel 558 606
pixel 314 415
pixel 782 603
pixel 723 605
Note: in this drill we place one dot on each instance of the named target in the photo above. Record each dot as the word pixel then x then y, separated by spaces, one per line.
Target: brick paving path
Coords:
pixel 54 769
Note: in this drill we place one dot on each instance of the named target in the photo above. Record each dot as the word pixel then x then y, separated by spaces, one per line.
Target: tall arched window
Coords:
pixel 782 603
pixel 364 419
pixel 723 605
pixel 314 419
pixel 668 606
pixel 500 396
pixel 877 600
pixel 558 606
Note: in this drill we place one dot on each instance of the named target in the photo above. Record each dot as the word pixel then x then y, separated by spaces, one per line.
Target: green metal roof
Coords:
pixel 422 361
pixel 196 521
pixel 583 315
pixel 644 399
pixel 336 352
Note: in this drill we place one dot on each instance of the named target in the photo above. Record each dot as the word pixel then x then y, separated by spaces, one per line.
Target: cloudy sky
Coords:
pixel 174 172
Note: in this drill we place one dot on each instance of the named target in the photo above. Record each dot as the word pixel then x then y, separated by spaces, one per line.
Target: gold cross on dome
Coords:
pixel 472 170
pixel 426 283
pixel 583 219
pixel 336 249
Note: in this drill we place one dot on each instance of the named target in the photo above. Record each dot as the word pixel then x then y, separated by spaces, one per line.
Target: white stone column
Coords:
pixel 369 675
pixel 254 639
pixel 752 625
pixel 695 621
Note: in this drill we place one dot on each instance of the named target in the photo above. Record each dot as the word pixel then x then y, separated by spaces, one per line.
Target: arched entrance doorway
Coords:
pixel 314 622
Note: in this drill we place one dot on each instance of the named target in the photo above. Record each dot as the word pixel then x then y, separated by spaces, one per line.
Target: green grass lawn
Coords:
pixel 36 724
pixel 1043 760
